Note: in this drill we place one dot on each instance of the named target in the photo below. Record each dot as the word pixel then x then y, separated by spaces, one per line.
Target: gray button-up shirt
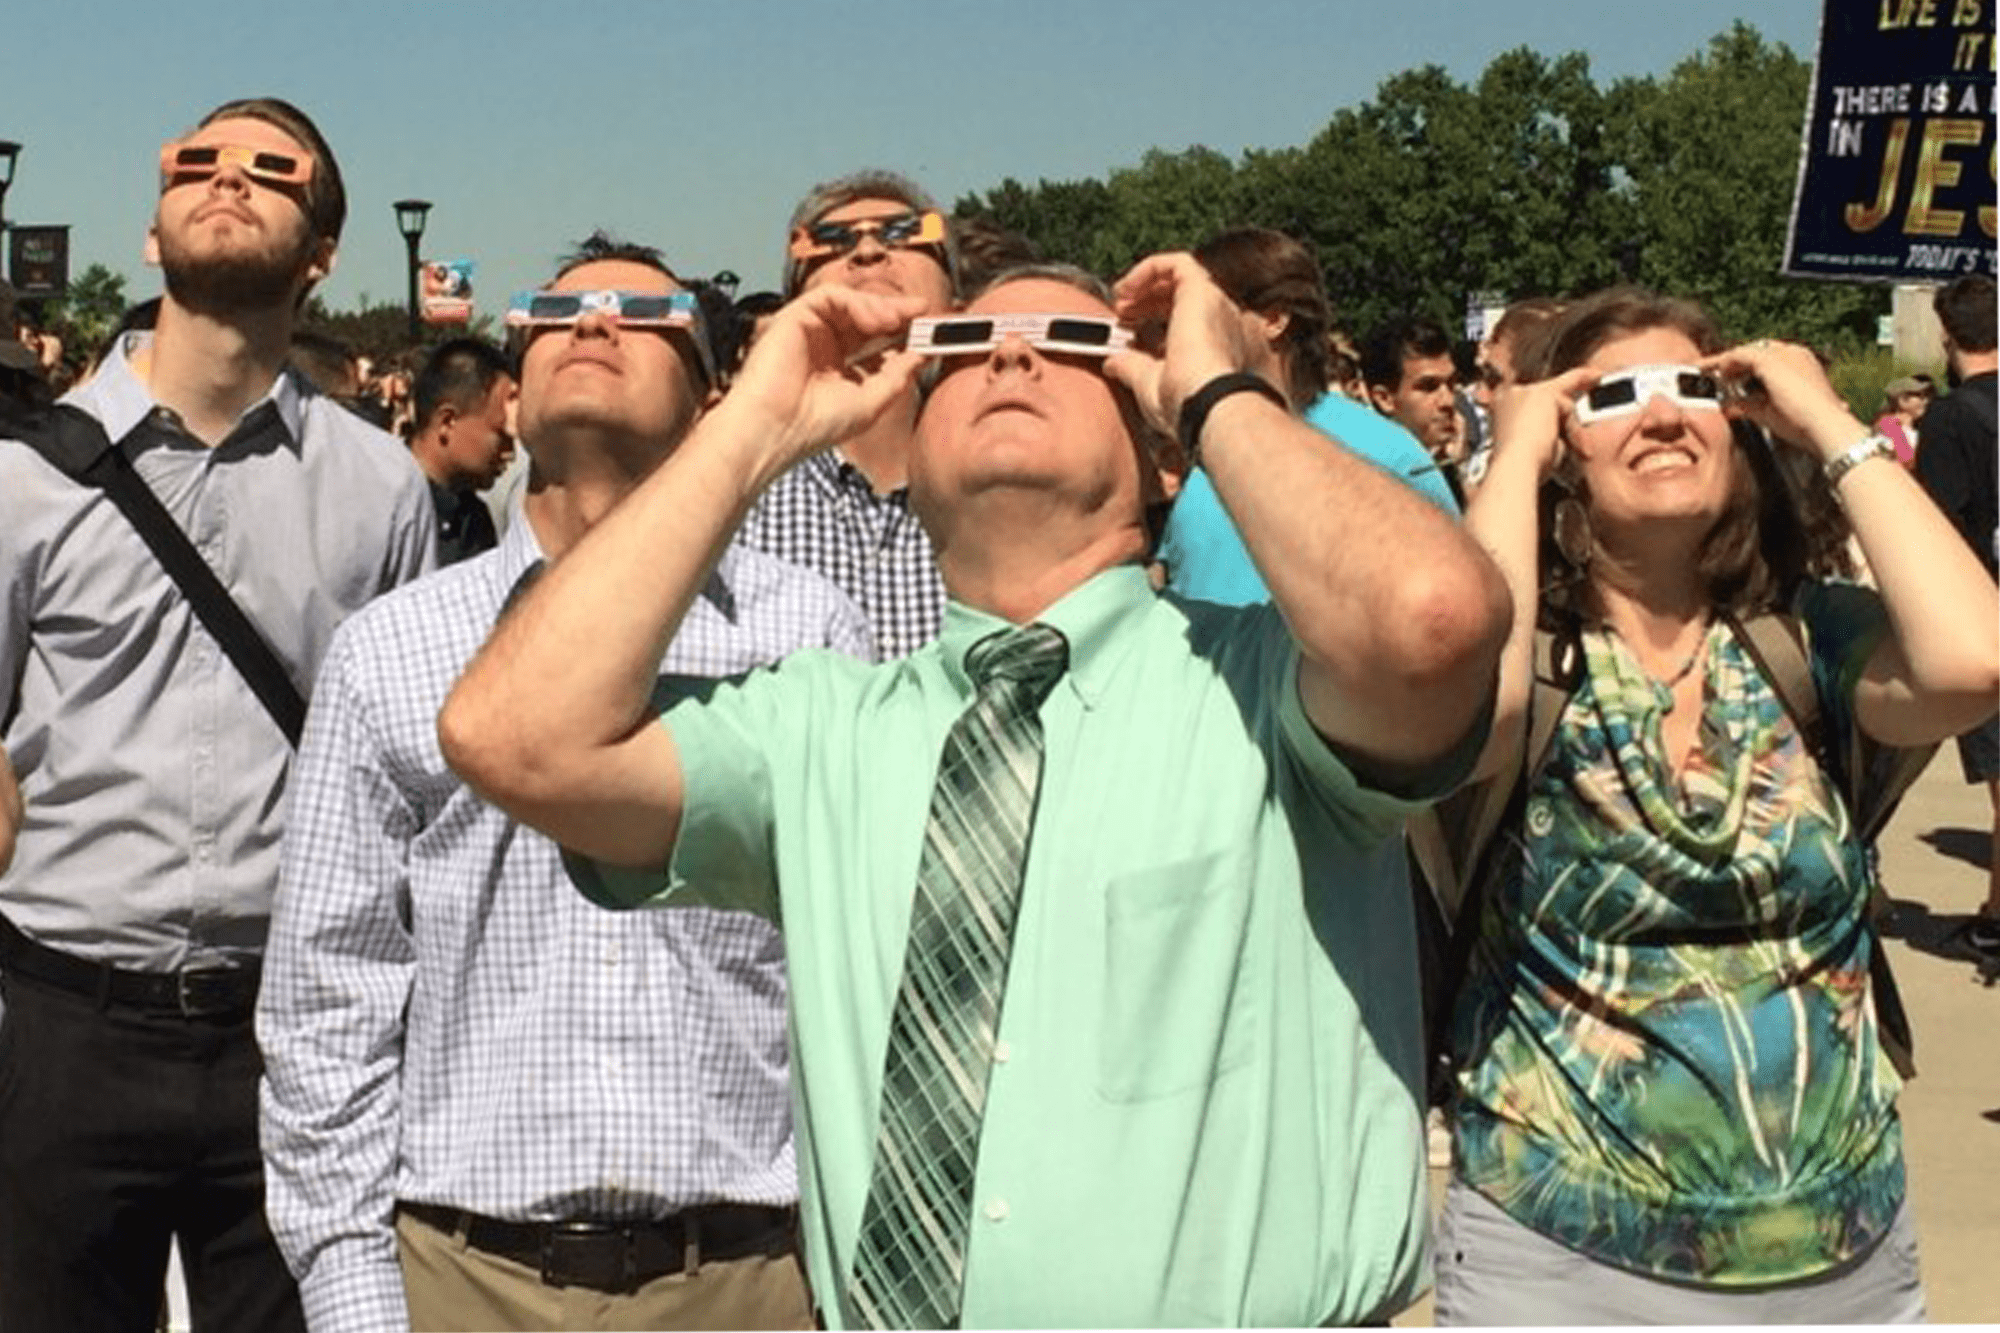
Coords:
pixel 153 778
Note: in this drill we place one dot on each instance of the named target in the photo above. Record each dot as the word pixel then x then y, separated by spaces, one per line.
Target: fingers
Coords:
pixel 1140 373
pixel 1147 289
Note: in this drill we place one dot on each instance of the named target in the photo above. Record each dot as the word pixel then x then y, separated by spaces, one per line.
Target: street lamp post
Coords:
pixel 410 216
pixel 9 150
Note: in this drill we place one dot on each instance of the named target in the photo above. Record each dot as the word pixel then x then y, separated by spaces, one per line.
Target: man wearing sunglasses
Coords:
pixel 846 512
pixel 133 919
pixel 490 1104
pixel 1103 1011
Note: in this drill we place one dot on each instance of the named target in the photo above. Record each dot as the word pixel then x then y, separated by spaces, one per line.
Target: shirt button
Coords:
pixel 996 1211
pixel 1001 1050
pixel 611 955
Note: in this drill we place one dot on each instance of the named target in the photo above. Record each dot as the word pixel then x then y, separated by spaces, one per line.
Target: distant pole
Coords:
pixel 9 151
pixel 410 217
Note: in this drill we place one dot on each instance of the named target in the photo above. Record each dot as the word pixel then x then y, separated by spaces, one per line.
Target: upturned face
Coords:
pixel 1021 418
pixel 630 382
pixel 872 266
pixel 1665 462
pixel 227 239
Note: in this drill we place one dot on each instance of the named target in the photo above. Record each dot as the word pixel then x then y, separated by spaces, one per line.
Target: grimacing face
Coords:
pixel 874 267
pixel 633 382
pixel 1664 462
pixel 1028 420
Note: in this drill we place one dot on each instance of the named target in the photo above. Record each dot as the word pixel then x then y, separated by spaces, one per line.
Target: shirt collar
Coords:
pixel 1093 617
pixel 119 399
pixel 518 560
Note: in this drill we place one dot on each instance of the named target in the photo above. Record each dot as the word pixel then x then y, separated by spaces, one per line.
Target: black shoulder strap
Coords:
pixel 73 441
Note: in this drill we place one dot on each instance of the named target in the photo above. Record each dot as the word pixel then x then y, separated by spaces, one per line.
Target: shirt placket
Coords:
pixel 208 521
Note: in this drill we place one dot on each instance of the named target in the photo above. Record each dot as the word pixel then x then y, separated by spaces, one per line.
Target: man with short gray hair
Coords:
pixel 845 513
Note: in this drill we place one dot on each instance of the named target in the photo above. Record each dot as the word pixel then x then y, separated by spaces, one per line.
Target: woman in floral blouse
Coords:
pixel 1671 1103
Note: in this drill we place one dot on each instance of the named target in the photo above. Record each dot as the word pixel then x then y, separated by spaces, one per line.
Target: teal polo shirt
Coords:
pixel 1204 1105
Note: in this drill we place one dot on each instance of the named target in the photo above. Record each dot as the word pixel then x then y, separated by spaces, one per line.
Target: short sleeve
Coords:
pixel 724 852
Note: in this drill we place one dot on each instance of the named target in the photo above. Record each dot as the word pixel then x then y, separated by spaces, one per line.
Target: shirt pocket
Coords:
pixel 1174 1016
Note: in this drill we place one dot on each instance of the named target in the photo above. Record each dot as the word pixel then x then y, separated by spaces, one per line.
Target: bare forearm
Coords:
pixel 1942 604
pixel 11 810
pixel 1503 517
pixel 553 719
pixel 1399 616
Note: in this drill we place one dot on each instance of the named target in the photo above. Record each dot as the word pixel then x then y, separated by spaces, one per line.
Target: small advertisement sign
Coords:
pixel 445 291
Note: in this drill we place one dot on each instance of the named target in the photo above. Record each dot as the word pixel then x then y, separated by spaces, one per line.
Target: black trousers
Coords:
pixel 121 1129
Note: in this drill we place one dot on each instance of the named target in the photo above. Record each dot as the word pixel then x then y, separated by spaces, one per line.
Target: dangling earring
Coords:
pixel 1572 532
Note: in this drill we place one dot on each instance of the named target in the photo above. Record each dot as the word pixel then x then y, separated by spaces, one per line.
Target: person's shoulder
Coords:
pixel 343 443
pixel 450 610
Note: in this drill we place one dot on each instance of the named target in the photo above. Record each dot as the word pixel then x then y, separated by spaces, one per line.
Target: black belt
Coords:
pixel 619 1256
pixel 194 992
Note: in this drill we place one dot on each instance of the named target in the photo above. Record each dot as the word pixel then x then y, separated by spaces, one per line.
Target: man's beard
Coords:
pixel 234 281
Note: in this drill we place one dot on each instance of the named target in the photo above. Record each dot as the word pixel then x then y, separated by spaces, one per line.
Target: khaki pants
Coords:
pixel 453 1288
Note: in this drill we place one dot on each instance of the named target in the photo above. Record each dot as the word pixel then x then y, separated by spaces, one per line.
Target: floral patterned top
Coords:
pixel 1666 1039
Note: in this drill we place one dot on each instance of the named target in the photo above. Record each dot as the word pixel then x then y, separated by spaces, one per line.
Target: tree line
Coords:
pixel 1531 181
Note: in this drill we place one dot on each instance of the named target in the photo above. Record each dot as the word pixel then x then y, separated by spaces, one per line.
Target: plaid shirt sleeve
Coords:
pixel 337 976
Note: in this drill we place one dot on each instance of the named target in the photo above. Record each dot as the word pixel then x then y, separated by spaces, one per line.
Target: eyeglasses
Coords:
pixel 192 161
pixel 1626 391
pixel 629 310
pixel 818 240
pixel 965 335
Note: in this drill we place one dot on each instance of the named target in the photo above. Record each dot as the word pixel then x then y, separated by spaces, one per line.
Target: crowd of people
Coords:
pixel 957 793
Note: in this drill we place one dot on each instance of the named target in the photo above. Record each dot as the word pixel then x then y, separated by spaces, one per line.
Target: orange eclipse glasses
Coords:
pixel 192 161
pixel 823 240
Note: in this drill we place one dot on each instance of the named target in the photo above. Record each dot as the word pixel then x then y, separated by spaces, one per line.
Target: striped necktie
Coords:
pixel 909 1268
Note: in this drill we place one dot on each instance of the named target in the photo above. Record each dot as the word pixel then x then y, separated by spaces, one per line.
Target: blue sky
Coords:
pixel 696 124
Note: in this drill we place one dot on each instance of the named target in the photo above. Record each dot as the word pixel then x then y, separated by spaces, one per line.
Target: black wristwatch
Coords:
pixel 1197 405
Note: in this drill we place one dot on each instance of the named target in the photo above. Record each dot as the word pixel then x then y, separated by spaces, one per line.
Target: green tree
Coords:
pixel 1711 157
pixel 84 316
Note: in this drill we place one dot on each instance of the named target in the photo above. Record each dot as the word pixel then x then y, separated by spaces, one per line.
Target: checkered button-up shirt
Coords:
pixel 445 1020
pixel 825 515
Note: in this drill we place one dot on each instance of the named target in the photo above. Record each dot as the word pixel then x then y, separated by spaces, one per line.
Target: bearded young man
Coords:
pixel 133 917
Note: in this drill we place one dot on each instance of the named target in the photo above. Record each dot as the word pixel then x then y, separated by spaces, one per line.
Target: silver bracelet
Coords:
pixel 1875 446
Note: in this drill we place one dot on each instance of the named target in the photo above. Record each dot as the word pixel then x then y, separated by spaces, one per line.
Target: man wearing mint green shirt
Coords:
pixel 1200 1097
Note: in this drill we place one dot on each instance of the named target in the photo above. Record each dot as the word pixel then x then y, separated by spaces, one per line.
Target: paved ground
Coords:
pixel 1933 861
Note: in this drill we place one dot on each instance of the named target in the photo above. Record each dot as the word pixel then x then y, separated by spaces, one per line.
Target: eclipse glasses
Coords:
pixel 820 240
pixel 963 335
pixel 532 310
pixel 1624 392
pixel 191 161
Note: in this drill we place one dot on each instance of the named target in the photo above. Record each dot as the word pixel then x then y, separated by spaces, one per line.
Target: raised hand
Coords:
pixel 830 364
pixel 1207 334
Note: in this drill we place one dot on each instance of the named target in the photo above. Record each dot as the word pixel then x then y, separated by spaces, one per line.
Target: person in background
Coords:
pixel 462 438
pixel 1904 401
pixel 1956 461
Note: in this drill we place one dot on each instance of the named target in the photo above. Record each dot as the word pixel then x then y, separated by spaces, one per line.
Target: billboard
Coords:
pixel 38 260
pixel 1896 176
pixel 446 291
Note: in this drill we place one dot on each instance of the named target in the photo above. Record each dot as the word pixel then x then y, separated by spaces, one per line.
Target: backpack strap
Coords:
pixel 1871 780
pixel 75 443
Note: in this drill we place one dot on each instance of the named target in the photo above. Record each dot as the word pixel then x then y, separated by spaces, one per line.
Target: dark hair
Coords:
pixel 460 373
pixel 601 247
pixel 324 359
pixel 1389 345
pixel 326 196
pixel 1762 545
pixel 1272 274
pixel 986 248
pixel 1966 309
